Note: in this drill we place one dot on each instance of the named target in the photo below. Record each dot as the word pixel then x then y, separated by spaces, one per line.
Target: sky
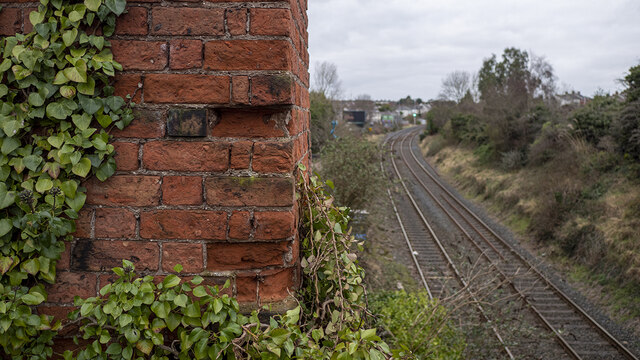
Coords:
pixel 393 48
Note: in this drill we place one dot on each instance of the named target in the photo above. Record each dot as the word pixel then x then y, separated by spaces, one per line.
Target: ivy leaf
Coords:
pixel 6 197
pixel 4 90
pixel 173 321
pixel 77 202
pixel 75 16
pixel 69 188
pixel 60 78
pixel 81 121
pixel 88 87
pixel 69 36
pixel 127 353
pixel 93 5
pixel 5 226
pixel 31 266
pixel 90 105
pixel 58 111
pixel 36 17
pixel 32 162
pixel 145 346
pixel 67 92
pixel 199 291
pixel 36 99
pixel 180 300
pixel 74 74
pixel 104 120
pixel 43 185
pixel 9 144
pixel 5 264
pixel 161 309
pixel 114 348
pixel 11 127
pixel 55 141
pixel 117 6
pixel 107 169
pixel 82 168
pixel 6 65
pixel 114 102
pixel 171 281
pixel 20 72
pixel 34 298
pixel 125 319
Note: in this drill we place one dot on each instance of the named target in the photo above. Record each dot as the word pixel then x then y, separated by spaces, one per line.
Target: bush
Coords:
pixel 353 164
pixel 512 160
pixel 548 143
pixel 438 143
pixel 321 113
pixel 405 315
pixel 594 120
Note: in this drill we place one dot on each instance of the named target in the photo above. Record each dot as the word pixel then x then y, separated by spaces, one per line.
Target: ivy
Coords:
pixel 57 107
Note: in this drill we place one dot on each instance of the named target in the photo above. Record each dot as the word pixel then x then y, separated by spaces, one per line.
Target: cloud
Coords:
pixel 391 48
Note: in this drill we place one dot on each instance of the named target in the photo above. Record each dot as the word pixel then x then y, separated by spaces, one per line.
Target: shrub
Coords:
pixel 594 120
pixel 404 315
pixel 512 160
pixel 353 164
pixel 548 143
pixel 438 143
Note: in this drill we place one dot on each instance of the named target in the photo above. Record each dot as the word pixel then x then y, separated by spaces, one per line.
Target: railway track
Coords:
pixel 579 335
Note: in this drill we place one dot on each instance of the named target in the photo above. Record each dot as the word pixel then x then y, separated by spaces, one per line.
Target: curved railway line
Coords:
pixel 578 334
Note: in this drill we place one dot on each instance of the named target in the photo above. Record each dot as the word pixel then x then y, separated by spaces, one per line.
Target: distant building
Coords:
pixel 573 98
pixel 356 117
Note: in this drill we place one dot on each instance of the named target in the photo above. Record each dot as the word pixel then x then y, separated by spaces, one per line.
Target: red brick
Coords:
pixel 70 284
pixel 241 155
pixel 182 190
pixel 187 88
pixel 240 225
pixel 115 223
pixel 128 84
pixel 65 258
pixel 249 191
pixel 59 313
pixel 140 55
pixel 83 224
pixel 187 21
pixel 274 225
pixel 276 285
pixel 189 255
pixel 126 155
pixel 247 55
pixel 147 124
pixel 184 225
pixel 236 21
pixel 273 157
pixel 185 54
pixel 10 21
pixel 240 90
pixel 27 26
pixel 103 255
pixel 272 90
pixel 276 22
pixel 247 288
pixel 129 190
pixel 134 22
pixel 186 156
pixel 299 122
pixel 245 256
pixel 252 124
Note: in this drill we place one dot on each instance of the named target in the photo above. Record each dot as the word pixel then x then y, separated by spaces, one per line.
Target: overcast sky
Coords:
pixel 393 48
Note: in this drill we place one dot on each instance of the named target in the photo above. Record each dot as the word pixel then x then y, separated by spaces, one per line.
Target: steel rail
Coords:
pixel 450 263
pixel 579 310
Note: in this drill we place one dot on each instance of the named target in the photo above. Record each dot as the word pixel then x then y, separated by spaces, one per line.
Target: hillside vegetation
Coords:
pixel 566 176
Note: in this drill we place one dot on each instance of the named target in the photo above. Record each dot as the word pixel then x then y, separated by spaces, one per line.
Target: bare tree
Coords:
pixel 543 79
pixel 326 80
pixel 456 85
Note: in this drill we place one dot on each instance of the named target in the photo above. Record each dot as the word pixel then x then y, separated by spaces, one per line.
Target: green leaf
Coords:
pixel 82 168
pixel 81 121
pixel 171 281
pixel 114 102
pixel 193 310
pixel 180 300
pixel 200 291
pixel 114 349
pixel 5 65
pixel 5 264
pixel 74 74
pixel 34 298
pixel 125 319
pixel 69 188
pixel 7 198
pixel 11 127
pixel 107 169
pixel 36 99
pixel 145 346
pixel 5 226
pixel 20 72
pixel 55 141
pixel 9 144
pixel 60 78
pixel 217 305
pixel 43 185
pixel 90 105
pixel 127 352
pixel 93 5
pixel 67 92
pixel 36 17
pixel 4 90
pixel 32 162
pixel 58 111
pixel 75 16
pixel 88 87
pixel 117 6
pixel 69 36
pixel 31 266
pixel 77 202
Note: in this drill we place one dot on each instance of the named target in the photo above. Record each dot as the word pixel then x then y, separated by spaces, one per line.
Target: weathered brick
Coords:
pixel 70 284
pixel 236 21
pixel 273 157
pixel 115 223
pixel 276 284
pixel 182 190
pixel 59 313
pixel 187 122
pixel 240 90
pixel 64 263
pixel 133 22
pixel 249 191
pixel 186 88
pixel 247 55
pixel 140 55
pixel 126 155
pixel 103 255
pixel 271 225
pixel 10 21
pixel 129 190
pixel 245 256
pixel 83 224
pixel 241 155
pixel 183 224
pixel 147 124
pixel 185 54
pixel 253 124
pixel 27 27
pixel 272 90
pixel 189 255
pixel 128 84
pixel 185 156
pixel 276 22
pixel 246 287
pixel 240 225
pixel 187 21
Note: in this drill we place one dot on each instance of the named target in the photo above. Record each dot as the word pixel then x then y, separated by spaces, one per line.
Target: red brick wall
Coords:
pixel 206 171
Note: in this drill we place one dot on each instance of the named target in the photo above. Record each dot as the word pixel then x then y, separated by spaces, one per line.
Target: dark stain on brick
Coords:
pixel 187 122
pixel 82 254
pixel 279 84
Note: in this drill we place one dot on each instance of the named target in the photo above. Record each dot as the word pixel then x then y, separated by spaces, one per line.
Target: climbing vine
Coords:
pixel 57 107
